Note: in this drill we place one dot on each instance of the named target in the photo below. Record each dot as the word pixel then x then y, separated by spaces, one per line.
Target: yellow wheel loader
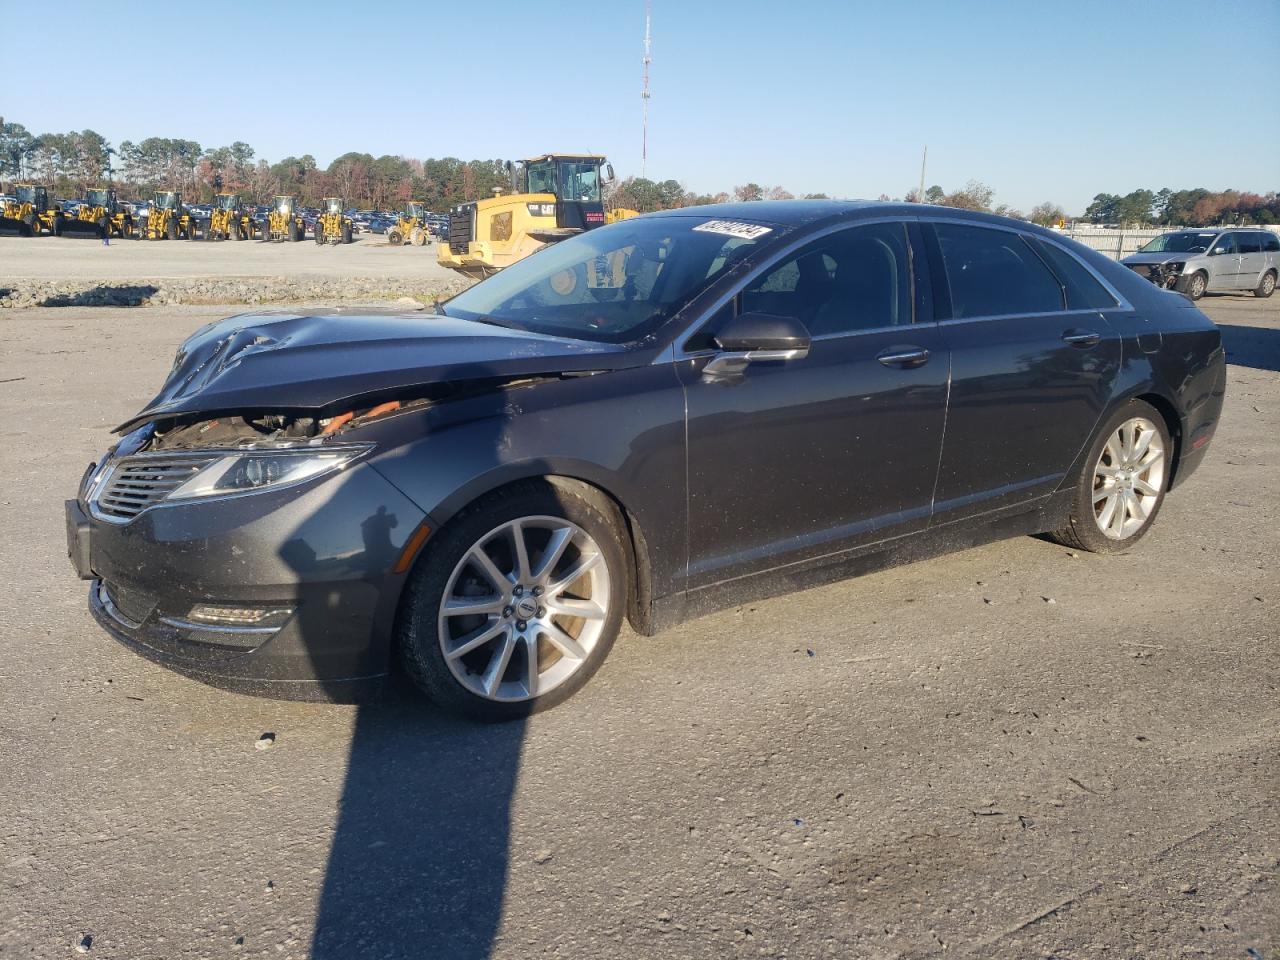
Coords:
pixel 333 226
pixel 99 216
pixel 229 219
pixel 30 212
pixel 168 218
pixel 562 197
pixel 411 227
pixel 283 221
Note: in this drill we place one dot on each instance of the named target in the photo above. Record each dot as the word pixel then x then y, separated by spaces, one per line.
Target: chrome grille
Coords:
pixel 140 482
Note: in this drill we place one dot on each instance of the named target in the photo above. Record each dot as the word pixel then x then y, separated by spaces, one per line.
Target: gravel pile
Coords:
pixel 235 290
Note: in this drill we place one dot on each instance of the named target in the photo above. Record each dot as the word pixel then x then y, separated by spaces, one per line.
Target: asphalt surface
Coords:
pixel 65 258
pixel 1010 752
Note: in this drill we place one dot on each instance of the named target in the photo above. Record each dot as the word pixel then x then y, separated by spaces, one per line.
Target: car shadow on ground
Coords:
pixel 418 864
pixel 1257 347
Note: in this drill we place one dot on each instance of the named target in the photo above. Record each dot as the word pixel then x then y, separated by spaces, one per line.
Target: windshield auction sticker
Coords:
pixel 734 228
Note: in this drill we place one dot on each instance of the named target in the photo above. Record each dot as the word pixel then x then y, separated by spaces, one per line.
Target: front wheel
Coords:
pixel 1267 286
pixel 515 604
pixel 1197 285
pixel 395 237
pixel 1123 482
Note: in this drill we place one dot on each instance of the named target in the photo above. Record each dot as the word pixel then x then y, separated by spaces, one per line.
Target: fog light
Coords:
pixel 217 615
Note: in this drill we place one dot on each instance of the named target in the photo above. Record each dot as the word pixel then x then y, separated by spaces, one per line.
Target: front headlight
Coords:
pixel 253 470
pixel 1174 268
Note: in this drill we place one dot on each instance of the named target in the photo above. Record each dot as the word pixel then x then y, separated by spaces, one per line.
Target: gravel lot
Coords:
pixel 1010 752
pixel 60 258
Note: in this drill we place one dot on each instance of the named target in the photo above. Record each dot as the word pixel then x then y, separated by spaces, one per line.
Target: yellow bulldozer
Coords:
pixel 283 221
pixel 168 218
pixel 229 219
pixel 100 216
pixel 333 226
pixel 411 227
pixel 562 197
pixel 30 212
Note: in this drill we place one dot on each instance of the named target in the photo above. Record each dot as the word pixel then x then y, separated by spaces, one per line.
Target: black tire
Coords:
pixel 294 232
pixel 234 232
pixel 395 237
pixel 1082 531
pixel 266 231
pixel 319 232
pixel 1197 284
pixel 418 633
pixel 346 233
pixel 1266 286
pixel 171 228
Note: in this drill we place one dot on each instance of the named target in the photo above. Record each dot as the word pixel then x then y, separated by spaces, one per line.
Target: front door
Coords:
pixel 803 458
pixel 1224 261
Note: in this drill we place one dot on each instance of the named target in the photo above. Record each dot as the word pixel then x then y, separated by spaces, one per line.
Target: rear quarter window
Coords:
pixel 1084 292
pixel 1270 242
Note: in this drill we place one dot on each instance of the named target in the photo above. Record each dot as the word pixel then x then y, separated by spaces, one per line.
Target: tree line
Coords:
pixel 72 162
pixel 1184 208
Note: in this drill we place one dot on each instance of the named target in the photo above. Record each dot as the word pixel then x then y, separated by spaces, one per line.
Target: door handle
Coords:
pixel 905 357
pixel 1084 339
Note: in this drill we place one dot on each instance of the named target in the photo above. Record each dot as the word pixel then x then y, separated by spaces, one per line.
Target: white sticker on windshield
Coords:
pixel 734 228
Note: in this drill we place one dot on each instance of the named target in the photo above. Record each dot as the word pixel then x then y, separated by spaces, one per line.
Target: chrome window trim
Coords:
pixel 678 352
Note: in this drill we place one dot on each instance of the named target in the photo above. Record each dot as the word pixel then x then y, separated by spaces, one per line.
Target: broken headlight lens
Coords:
pixel 253 470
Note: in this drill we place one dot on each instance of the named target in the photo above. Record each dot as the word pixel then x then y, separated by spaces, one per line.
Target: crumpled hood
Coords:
pixel 289 362
pixel 1159 257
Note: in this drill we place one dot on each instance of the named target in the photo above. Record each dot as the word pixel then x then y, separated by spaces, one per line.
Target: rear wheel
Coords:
pixel 515 604
pixel 319 231
pixel 1197 285
pixel 171 228
pixel 233 232
pixel 417 236
pixel 346 233
pixel 1123 483
pixel 293 231
pixel 1267 285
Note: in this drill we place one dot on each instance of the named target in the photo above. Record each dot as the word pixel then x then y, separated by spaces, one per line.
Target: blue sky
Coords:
pixel 1042 101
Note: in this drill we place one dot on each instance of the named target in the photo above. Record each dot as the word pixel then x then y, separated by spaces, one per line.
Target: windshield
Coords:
pixel 284 205
pixel 1186 242
pixel 166 201
pixel 25 194
pixel 542 177
pixel 580 180
pixel 333 205
pixel 615 284
pixel 228 201
pixel 412 210
pixel 97 198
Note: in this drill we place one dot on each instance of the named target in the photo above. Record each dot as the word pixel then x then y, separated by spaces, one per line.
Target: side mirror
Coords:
pixel 754 337
pixel 1217 251
pixel 608 172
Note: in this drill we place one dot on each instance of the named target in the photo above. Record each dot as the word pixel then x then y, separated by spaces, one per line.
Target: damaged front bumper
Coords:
pixel 287 593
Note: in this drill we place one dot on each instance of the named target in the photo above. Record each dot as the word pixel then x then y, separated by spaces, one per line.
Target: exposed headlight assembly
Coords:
pixel 253 470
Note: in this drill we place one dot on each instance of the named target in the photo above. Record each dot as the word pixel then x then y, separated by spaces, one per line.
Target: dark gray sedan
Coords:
pixel 650 420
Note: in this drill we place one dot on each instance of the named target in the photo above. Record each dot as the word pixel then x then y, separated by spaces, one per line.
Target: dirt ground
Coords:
pixel 1011 752
pixel 66 258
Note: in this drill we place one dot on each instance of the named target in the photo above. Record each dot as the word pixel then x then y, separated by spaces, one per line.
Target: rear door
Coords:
pixel 1033 362
pixel 1252 259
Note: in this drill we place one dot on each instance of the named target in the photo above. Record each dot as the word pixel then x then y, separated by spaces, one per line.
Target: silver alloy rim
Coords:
pixel 1128 479
pixel 524 608
pixel 1268 283
pixel 1197 284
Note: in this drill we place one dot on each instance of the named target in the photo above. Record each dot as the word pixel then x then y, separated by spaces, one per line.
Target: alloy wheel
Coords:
pixel 523 608
pixel 1128 479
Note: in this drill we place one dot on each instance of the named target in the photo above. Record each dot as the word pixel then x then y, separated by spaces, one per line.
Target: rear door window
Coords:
pixel 1249 242
pixel 1270 242
pixel 995 273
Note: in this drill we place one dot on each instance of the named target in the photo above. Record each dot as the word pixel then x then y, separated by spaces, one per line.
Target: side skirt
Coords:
pixel 1048 513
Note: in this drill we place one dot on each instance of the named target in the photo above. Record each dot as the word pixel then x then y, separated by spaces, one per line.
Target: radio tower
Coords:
pixel 644 94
